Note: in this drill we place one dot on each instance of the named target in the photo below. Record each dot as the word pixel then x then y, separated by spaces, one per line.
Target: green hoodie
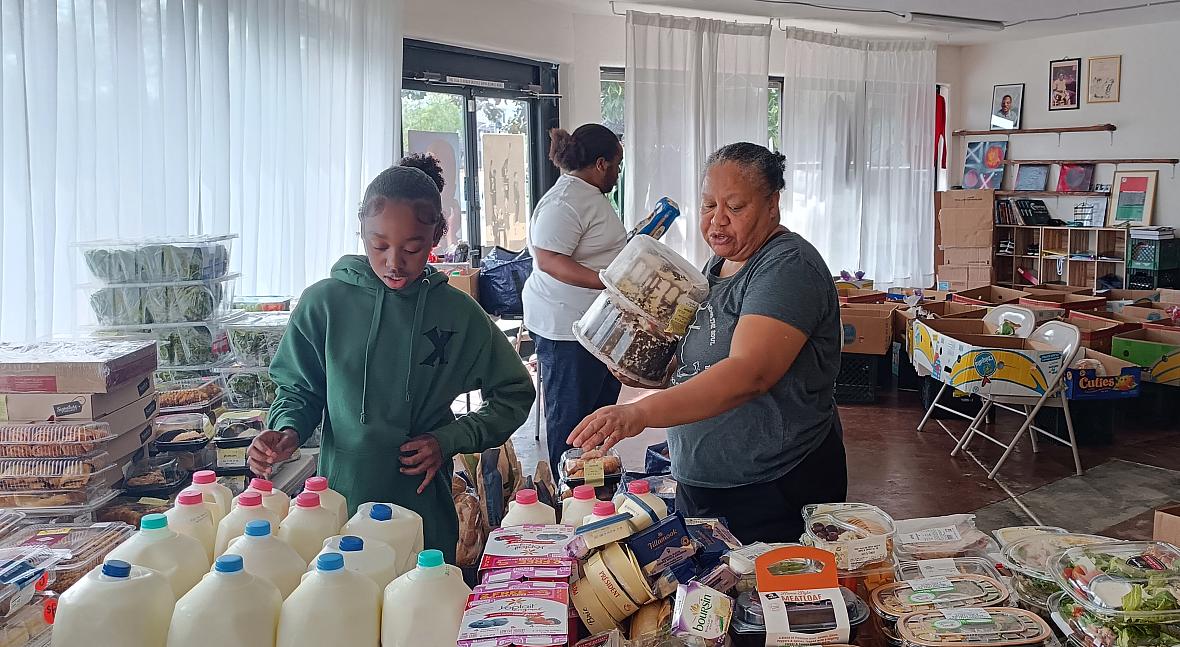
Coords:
pixel 380 366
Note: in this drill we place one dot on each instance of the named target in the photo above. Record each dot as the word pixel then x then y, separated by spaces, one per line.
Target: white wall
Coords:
pixel 1146 116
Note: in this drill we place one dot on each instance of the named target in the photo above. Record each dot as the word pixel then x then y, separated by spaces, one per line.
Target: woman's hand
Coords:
pixel 270 448
pixel 422 455
pixel 607 426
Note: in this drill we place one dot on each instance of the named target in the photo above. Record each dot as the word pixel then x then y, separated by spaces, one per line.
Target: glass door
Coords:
pixel 504 171
pixel 435 123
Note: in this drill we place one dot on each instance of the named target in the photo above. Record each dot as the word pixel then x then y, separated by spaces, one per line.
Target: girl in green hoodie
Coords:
pixel 379 351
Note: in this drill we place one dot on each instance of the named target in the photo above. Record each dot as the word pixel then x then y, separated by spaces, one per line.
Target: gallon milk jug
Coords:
pixel 190 516
pixel 217 495
pixel 369 557
pixel 229 608
pixel 575 510
pixel 424 607
pixel 308 525
pixel 526 510
pixel 273 499
pixel 642 491
pixel 268 557
pixel 332 606
pixel 115 605
pixel 329 498
pixel 233 525
pixel 399 527
pixel 179 558
pixel 602 510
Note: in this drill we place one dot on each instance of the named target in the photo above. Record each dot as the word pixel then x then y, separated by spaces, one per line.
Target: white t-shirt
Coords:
pixel 573 218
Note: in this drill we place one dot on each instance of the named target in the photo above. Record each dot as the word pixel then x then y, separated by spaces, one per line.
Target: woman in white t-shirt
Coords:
pixel 574 234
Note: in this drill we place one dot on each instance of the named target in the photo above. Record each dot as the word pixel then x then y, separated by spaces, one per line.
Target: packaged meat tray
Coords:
pixel 1090 629
pixel 659 282
pixel 921 569
pixel 53 439
pixel 191 396
pixel 954 592
pixel 995 627
pixel 1130 581
pixel 21 474
pixel 137 304
pixel 255 336
pixel 184 258
pixel 626 341
pixel 80 546
pixel 941 537
pixel 749 625
pixel 248 387
pixel 1030 560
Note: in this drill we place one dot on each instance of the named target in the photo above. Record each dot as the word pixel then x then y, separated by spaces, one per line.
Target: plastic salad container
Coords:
pixel 254 336
pixel 892 601
pixel 1030 560
pixel 858 534
pixel 995 627
pixel 1131 581
pixel 749 626
pixel 916 570
pixel 53 439
pixel 24 474
pixel 1005 536
pixel 248 387
pixel 262 303
pixel 659 282
pixel 1090 629
pixel 184 258
pixel 158 476
pixel 82 546
pixel 30 626
pixel 189 345
pixel 154 303
pixel 234 433
pixel 626 340
pixel 941 537
pixel 190 396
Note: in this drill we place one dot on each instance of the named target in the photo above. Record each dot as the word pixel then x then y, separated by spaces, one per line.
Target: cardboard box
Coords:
pixel 1167 525
pixel 1117 299
pixel 131 445
pixel 1063 300
pixel 979 199
pixel 1121 379
pixel 1147 315
pixel 1097 332
pixel 928 294
pixel 663 546
pixel 860 284
pixel 462 277
pixel 858 295
pixel 1154 349
pixel 980 364
pixel 991 295
pixel 73 406
pixel 74 365
pixel 868 328
pixel 902 319
pixel 1054 288
pixel 966 227
pixel 956 278
pixel 1170 296
pixel 967 255
pixel 134 415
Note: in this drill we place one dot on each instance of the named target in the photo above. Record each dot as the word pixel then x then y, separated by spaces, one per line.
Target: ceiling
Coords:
pixel 1133 12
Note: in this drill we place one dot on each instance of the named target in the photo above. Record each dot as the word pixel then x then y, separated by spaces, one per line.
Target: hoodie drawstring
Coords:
pixel 374 325
pixel 418 309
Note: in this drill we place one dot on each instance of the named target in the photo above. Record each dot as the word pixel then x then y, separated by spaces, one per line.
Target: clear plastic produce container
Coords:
pixel 30 474
pixel 10 520
pixel 573 467
pixel 1005 627
pixel 659 282
pixel 1031 562
pixel 626 341
pixel 916 570
pixel 191 396
pixel 1005 536
pixel 189 346
pixel 248 387
pixel 262 303
pixel 53 439
pixel 1090 629
pixel 941 537
pixel 181 258
pixel 1133 581
pixel 960 591
pixel 82 546
pixel 858 534
pixel 749 624
pixel 255 336
pixel 136 304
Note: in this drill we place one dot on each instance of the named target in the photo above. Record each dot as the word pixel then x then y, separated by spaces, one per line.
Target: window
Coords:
pixel 774 111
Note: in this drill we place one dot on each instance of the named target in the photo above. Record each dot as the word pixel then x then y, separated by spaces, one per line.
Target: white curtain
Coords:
pixel 693 85
pixel 168 117
pixel 858 133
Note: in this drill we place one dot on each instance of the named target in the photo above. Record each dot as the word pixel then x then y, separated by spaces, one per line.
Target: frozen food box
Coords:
pixel 74 365
pixel 526 613
pixel 658 282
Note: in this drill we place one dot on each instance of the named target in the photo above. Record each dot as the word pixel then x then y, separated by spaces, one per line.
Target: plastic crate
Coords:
pixel 857 381
pixel 1152 279
pixel 1153 254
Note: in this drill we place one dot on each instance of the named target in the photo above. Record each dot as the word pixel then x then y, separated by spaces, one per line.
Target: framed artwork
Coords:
pixel 983 167
pixel 1007 106
pixel 1132 197
pixel 1105 75
pixel 1064 79
pixel 1075 177
pixel 1032 177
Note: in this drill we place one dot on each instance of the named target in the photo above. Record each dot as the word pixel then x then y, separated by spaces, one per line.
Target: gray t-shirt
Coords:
pixel 768 436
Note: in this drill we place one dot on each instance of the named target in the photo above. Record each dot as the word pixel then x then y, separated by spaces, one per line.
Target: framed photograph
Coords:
pixel 1132 197
pixel 1104 79
pixel 1007 105
pixel 1064 79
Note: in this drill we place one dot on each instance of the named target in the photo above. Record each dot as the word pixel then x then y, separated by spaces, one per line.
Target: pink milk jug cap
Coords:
pixel 307 500
pixel 604 509
pixel 584 492
pixel 191 497
pixel 526 497
pixel 639 487
pixel 316 484
pixel 262 485
pixel 204 477
pixel 250 499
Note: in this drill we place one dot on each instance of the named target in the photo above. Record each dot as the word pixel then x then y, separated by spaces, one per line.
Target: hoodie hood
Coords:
pixel 355 270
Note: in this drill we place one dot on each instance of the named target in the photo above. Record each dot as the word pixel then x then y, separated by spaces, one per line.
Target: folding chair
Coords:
pixel 1055 334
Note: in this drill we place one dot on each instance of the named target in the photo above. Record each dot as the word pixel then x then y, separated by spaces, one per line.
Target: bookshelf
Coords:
pixel 1077 256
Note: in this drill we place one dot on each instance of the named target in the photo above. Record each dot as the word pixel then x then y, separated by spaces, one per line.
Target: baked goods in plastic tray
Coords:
pixel 659 282
pixel 190 396
pixel 81 546
pixel 173 259
pixel 941 537
pixel 65 503
pixel 573 466
pixel 137 304
pixel 131 509
pixel 1129 581
pixel 626 341
pixel 255 336
pixel 858 534
pixel 53 439
pixel 10 520
pixel 248 387
pixel 1003 627
pixel 24 570
pixel 183 432
pixel 1031 562
pixel 158 476
pixel 916 570
pixel 31 474
pixel 892 601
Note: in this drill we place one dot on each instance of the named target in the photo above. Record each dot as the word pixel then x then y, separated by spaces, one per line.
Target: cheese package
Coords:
pixel 535 546
pixel 662 546
pixel 701 615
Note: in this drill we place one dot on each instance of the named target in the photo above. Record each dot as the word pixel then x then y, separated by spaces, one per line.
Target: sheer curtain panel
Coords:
pixel 170 117
pixel 693 85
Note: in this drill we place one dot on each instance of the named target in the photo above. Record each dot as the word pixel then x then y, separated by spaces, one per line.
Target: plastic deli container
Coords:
pixel 1031 562
pixel 24 570
pixel 941 537
pixel 1131 581
pixel 82 546
pixel 995 627
pixel 10 520
pixel 749 625
pixel 183 432
pixel 893 601
pixel 157 477
pixel 132 510
pixel 573 471
pixel 1005 536
pixel 30 626
pixel 53 439
pixel 248 387
pixel 1090 629
pixel 254 336
pixel 60 503
pixel 916 570
pixel 627 341
pixel 191 396
pixel 185 258
pixel 189 345
pixel 858 534
pixel 234 433
pixel 659 282
pixel 262 303
pixel 31 474
pixel 155 303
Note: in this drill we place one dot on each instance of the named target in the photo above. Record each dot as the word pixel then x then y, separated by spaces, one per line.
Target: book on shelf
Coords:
pixel 1033 212
pixel 1153 233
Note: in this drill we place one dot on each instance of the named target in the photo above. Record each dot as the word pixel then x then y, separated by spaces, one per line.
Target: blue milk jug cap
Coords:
pixel 381 512
pixel 116 568
pixel 228 564
pixel 258 528
pixel 330 562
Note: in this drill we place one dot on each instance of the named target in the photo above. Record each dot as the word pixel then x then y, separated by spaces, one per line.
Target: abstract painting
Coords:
pixel 1133 197
pixel 1075 177
pixel 1032 177
pixel 983 167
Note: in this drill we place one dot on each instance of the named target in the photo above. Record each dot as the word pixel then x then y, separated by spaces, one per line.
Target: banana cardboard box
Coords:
pixel 1156 350
pixel 985 364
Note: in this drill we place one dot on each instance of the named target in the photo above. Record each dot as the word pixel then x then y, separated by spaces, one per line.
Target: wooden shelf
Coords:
pixel 1051 194
pixel 1038 131
pixel 1125 160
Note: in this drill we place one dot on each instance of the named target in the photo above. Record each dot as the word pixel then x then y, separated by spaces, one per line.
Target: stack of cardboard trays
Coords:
pixel 83 380
pixel 965 224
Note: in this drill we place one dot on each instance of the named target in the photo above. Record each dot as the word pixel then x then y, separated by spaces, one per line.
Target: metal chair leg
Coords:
pixel 933 406
pixel 1073 440
pixel 972 428
pixel 1032 436
pixel 1028 420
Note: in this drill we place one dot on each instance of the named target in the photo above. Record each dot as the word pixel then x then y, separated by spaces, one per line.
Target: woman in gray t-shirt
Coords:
pixel 753 430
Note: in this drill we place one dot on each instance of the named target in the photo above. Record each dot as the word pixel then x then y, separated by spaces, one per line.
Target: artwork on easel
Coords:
pixel 983 167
